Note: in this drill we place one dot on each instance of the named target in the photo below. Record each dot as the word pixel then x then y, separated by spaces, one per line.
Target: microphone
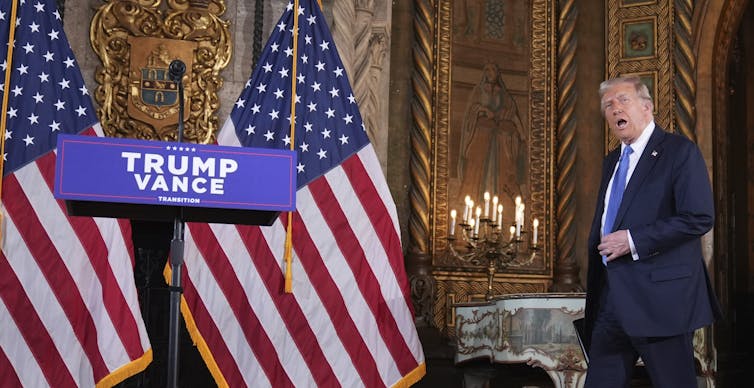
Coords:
pixel 176 70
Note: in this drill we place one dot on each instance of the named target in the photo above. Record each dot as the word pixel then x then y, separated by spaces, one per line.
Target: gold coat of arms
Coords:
pixel 136 40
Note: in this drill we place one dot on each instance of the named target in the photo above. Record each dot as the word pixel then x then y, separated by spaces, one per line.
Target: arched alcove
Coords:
pixel 725 129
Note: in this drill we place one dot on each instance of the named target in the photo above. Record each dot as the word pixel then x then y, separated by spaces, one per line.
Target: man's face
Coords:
pixel 626 113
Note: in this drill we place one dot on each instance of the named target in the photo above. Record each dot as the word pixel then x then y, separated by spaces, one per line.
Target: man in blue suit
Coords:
pixel 647 284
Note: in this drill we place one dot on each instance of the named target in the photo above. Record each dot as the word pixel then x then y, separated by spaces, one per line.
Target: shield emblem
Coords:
pixel 156 87
pixel 153 97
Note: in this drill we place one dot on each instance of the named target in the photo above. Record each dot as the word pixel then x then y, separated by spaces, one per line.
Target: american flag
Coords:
pixel 348 321
pixel 69 310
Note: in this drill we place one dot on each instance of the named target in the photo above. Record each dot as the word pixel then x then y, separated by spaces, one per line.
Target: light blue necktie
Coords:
pixel 616 193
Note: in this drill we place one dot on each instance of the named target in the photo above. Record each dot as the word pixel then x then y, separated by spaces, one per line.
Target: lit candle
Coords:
pixel 486 204
pixel 513 231
pixel 466 209
pixel 535 225
pixel 520 223
pixel 471 209
pixel 472 225
pixel 494 209
pixel 453 222
pixel 500 216
pixel 517 212
pixel 478 214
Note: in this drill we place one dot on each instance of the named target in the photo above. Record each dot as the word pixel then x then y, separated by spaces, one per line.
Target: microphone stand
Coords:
pixel 176 70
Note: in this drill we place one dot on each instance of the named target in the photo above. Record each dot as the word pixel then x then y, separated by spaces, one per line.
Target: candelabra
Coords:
pixel 483 242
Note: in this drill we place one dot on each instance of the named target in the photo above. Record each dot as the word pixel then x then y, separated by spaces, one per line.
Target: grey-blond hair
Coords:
pixel 641 89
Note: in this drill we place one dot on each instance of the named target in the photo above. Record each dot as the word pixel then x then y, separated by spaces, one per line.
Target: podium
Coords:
pixel 173 181
pixel 158 181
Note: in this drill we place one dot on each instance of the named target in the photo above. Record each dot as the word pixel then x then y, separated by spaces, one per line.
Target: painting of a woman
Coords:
pixel 493 146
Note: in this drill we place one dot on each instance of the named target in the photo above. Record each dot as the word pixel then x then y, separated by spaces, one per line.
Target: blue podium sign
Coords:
pixel 117 170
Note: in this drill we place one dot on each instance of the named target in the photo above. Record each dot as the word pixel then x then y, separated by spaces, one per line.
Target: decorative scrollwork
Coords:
pixel 422 294
pixel 490 249
pixel 134 95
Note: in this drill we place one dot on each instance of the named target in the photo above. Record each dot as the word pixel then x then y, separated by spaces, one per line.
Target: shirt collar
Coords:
pixel 641 143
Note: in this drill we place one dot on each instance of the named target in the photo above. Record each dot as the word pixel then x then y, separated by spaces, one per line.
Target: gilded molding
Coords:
pixel 422 114
pixel 658 65
pixel 419 262
pixel 541 121
pixel 685 70
pixel 441 123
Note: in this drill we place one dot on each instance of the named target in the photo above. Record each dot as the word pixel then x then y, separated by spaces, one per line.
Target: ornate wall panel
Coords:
pixel 640 42
pixel 483 121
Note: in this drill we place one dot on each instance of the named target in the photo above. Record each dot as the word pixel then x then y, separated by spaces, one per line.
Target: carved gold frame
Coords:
pixel 541 124
pixel 552 98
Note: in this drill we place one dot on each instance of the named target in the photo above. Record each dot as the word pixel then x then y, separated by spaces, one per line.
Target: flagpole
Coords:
pixel 289 227
pixel 4 110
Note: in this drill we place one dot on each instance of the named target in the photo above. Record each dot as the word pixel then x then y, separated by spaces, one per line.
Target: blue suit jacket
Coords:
pixel 667 207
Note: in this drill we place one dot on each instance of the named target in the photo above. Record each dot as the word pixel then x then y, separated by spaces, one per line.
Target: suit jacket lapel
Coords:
pixel 646 162
pixel 607 173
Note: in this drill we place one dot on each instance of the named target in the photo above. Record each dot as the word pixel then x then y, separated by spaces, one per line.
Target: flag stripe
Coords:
pixel 375 209
pixel 311 295
pixel 339 265
pixel 368 158
pixel 229 285
pixel 93 244
pixel 319 254
pixel 296 322
pixel 378 214
pixel 31 328
pixel 89 292
pixel 221 312
pixel 211 335
pixel 357 261
pixel 7 375
pixel 125 232
pixel 228 326
pixel 54 271
pixel 264 302
pixel 349 319
pixel 47 308
pixel 75 305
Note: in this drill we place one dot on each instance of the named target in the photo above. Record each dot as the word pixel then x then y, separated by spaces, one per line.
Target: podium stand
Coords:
pixel 179 182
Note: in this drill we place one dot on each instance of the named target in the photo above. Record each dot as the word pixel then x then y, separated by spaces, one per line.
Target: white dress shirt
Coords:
pixel 638 147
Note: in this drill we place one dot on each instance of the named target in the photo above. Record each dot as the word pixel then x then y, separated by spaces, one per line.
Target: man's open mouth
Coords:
pixel 621 123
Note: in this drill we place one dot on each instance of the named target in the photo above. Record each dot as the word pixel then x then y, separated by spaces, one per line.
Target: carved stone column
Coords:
pixel 361 31
pixel 419 261
pixel 566 268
